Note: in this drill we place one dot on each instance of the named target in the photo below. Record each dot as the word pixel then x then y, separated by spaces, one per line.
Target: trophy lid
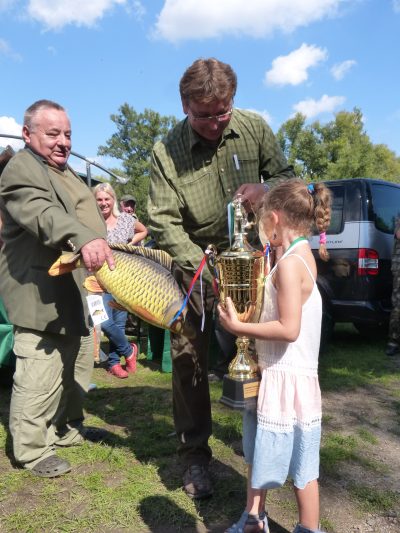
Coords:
pixel 240 246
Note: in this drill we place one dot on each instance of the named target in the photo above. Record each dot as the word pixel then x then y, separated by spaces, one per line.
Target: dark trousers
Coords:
pixel 226 349
pixel 191 396
pixel 394 323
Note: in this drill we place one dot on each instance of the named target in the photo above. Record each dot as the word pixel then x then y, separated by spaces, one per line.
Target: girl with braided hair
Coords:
pixel 283 437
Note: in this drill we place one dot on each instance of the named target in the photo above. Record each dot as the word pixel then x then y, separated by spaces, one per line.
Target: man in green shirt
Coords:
pixel 208 158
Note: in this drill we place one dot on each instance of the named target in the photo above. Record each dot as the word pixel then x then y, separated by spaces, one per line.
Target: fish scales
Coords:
pixel 137 283
pixel 141 282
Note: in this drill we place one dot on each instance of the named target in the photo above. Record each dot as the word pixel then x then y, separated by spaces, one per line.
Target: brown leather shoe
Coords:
pixel 197 482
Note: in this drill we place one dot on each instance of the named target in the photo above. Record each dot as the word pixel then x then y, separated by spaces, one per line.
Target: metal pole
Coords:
pixel 88 163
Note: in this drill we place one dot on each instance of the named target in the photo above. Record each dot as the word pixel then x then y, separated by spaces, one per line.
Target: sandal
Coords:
pixel 52 466
pixel 248 519
pixel 263 517
pixel 301 529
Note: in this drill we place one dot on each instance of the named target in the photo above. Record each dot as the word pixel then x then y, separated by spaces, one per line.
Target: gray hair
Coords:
pixel 38 106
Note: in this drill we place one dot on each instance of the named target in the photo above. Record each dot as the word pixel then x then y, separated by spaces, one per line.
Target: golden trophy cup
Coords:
pixel 239 274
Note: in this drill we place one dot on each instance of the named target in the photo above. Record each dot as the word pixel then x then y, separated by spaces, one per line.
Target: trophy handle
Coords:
pixel 211 254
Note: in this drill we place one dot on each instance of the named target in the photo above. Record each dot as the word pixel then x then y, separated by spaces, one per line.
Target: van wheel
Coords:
pixel 370 331
pixel 327 327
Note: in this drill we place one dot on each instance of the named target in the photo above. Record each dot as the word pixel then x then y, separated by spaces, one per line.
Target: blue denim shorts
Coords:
pixel 277 456
pixel 249 434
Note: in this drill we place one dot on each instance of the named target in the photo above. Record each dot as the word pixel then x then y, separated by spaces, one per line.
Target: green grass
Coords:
pixel 133 483
pixel 372 499
pixel 338 448
pixel 367 436
pixel 352 361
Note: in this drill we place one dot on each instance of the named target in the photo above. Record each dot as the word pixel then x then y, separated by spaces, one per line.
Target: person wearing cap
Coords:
pixel 128 205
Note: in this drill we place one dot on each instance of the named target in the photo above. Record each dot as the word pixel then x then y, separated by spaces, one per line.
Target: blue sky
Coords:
pixel 315 56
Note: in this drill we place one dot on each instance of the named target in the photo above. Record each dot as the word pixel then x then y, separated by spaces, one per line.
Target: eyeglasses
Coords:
pixel 222 117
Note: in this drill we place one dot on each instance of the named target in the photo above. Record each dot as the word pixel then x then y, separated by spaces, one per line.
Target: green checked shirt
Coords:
pixel 192 183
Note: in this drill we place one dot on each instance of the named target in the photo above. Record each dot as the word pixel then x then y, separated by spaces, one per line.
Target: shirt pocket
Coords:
pixel 202 198
pixel 249 169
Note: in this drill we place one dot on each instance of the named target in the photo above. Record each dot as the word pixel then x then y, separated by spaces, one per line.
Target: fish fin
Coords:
pixel 116 305
pixel 144 314
pixel 158 256
pixel 92 285
pixel 64 264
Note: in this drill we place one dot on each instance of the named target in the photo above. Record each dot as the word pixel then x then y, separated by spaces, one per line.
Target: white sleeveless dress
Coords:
pixel 289 401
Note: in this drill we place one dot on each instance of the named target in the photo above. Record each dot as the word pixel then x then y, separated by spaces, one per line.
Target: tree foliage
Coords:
pixel 336 150
pixel 132 144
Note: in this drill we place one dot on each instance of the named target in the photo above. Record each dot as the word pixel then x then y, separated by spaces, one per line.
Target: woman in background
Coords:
pixel 120 229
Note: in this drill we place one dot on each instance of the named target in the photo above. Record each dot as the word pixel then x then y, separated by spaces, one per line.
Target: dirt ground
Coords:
pixel 377 411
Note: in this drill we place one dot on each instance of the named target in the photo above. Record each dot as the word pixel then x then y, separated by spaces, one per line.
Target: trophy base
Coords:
pixel 240 393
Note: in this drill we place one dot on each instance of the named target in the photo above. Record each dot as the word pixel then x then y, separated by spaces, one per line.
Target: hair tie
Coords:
pixel 322 238
pixel 310 188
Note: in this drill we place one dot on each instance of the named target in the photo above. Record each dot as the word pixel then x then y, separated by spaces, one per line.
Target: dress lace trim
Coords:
pixel 287 425
pixel 272 364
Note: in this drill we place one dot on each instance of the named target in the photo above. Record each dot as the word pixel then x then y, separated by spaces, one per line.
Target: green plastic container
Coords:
pixel 7 357
pixel 166 365
pixel 159 347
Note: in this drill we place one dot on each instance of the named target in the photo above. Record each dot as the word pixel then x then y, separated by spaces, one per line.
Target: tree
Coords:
pixel 132 145
pixel 336 150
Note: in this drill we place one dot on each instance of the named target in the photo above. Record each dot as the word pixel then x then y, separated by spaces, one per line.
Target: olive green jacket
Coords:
pixel 39 223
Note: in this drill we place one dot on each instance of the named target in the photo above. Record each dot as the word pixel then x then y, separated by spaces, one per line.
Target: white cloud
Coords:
pixel 293 68
pixel 55 14
pixel 326 104
pixel 396 6
pixel 7 51
pixel 339 70
pixel 138 9
pixel 190 19
pixel 9 126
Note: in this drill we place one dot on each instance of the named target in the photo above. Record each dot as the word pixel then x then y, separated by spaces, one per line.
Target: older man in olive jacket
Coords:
pixel 46 210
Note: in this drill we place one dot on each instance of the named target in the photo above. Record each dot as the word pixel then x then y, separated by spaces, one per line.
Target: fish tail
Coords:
pixel 65 263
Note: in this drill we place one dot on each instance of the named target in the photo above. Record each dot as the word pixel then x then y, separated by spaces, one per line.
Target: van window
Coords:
pixel 336 225
pixel 386 206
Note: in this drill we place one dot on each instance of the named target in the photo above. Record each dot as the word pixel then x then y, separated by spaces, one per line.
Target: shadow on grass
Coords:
pixel 142 417
pixel 168 518
pixel 352 360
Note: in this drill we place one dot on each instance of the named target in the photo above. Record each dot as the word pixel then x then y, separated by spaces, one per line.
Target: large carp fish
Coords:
pixel 141 283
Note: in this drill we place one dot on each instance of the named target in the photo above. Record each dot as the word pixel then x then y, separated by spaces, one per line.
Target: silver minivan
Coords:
pixel 356 282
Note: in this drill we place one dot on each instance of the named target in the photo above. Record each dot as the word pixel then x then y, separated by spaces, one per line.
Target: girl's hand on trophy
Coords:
pixel 228 317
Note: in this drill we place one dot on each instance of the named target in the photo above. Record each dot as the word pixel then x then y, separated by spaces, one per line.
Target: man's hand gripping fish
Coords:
pixel 141 283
